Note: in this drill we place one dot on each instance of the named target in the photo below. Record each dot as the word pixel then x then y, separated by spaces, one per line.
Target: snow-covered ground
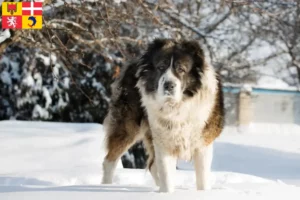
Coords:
pixel 42 160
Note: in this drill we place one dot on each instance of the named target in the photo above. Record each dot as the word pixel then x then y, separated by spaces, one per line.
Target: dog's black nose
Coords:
pixel 169 86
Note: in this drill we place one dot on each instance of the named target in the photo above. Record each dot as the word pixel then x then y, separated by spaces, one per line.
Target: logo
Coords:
pixel 12 21
pixel 22 15
pixel 33 19
pixel 11 8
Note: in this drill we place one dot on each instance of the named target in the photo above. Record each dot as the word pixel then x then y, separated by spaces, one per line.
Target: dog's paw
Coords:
pixel 204 187
pixel 106 180
pixel 166 190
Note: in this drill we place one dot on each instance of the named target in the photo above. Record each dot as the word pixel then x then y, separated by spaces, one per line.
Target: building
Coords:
pixel 250 104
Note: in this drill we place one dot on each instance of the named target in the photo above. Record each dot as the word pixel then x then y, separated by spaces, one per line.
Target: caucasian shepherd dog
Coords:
pixel 170 98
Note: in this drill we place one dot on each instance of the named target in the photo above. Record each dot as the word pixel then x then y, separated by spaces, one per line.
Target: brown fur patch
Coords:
pixel 168 44
pixel 148 142
pixel 176 151
pixel 120 137
pixel 215 122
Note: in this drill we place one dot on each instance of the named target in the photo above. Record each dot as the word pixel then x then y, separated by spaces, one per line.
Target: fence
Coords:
pixel 259 105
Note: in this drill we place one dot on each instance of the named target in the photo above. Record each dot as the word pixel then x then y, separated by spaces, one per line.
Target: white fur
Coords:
pixel 154 173
pixel 202 163
pixel 166 166
pixel 109 168
pixel 168 76
pixel 184 122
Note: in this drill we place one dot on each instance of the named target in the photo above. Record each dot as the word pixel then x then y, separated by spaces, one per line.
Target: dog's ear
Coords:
pixel 146 59
pixel 156 45
pixel 194 49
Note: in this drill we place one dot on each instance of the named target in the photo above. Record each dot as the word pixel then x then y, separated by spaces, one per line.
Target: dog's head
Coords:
pixel 171 70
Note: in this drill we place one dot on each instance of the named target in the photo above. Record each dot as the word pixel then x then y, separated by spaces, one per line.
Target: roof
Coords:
pixel 236 88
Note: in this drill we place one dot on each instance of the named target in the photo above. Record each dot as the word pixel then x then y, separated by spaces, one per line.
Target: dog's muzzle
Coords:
pixel 169 87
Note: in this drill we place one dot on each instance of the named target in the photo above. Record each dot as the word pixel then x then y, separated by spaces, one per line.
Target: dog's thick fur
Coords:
pixel 172 99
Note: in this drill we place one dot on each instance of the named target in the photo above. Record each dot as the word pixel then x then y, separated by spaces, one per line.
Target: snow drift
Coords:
pixel 44 160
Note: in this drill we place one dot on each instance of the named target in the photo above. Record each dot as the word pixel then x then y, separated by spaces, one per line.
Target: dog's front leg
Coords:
pixel 166 167
pixel 202 163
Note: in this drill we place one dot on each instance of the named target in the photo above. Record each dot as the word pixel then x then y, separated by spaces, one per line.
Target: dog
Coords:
pixel 171 98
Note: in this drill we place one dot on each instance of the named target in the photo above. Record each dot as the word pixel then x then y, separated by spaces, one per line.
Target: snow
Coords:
pixel 55 71
pixel 119 1
pixel 28 80
pixel 39 80
pixel 66 82
pixel 5 78
pixel 271 82
pixel 5 60
pixel 45 59
pixel 15 70
pixel 47 96
pixel 275 147
pixel 38 111
pixel 97 85
pixel 4 35
pixel 44 160
pixel 246 88
pixel 61 102
pixel 9 70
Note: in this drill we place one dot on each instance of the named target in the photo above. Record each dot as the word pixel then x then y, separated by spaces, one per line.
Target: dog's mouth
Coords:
pixel 168 93
pixel 169 104
pixel 169 100
pixel 168 97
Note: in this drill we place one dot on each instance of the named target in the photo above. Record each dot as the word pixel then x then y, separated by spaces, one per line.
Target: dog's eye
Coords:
pixel 161 67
